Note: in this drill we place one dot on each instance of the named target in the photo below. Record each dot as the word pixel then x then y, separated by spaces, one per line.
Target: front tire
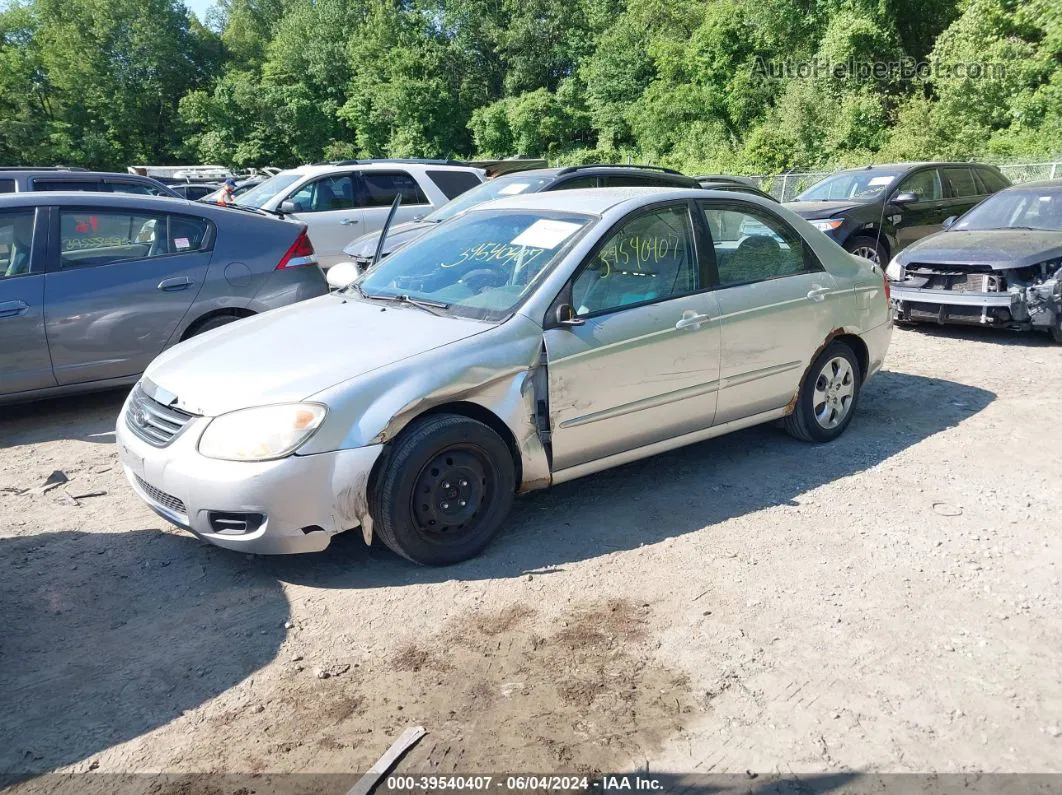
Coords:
pixel 828 397
pixel 444 490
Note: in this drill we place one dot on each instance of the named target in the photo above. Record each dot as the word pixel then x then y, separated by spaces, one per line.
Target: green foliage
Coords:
pixel 694 85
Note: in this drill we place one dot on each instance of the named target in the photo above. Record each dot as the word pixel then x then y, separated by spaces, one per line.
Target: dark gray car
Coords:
pixel 95 286
pixel 1000 264
pixel 537 180
pixel 61 178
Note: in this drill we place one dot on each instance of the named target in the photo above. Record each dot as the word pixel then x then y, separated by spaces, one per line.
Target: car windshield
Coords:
pixel 510 185
pixel 481 265
pixel 1024 208
pixel 865 185
pixel 261 194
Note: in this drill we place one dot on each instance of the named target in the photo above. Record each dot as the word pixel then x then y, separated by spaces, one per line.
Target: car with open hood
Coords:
pixel 998 265
pixel 525 342
pixel 877 211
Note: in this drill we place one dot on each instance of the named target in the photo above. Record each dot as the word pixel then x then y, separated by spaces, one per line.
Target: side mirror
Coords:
pixel 949 222
pixel 289 207
pixel 907 197
pixel 341 275
pixel 565 316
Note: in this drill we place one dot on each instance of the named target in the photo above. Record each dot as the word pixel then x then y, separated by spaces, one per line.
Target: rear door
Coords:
pixel 119 282
pixel 775 306
pixel 376 193
pixel 963 190
pixel 24 361
pixel 328 207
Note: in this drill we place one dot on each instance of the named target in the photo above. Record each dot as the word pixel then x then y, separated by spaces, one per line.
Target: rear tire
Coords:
pixel 868 248
pixel 444 491
pixel 828 396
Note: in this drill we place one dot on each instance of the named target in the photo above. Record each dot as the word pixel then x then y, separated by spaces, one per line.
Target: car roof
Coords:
pixel 909 166
pixel 598 201
pixel 80 198
pixel 313 169
pixel 1039 184
pixel 68 173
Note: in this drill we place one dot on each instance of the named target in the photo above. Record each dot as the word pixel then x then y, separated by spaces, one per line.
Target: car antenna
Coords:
pixel 383 232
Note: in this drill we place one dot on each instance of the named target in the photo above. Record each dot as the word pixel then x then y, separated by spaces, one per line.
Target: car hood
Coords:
pixel 821 209
pixel 365 246
pixel 1000 248
pixel 292 353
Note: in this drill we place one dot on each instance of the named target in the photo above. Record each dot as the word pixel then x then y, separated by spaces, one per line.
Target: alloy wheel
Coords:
pixel 834 392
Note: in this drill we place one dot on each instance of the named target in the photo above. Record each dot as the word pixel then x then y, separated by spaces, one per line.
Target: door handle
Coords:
pixel 178 283
pixel 818 293
pixel 13 308
pixel 347 221
pixel 691 319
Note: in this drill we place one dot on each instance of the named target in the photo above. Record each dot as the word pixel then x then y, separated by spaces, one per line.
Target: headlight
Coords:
pixel 896 272
pixel 261 434
pixel 827 224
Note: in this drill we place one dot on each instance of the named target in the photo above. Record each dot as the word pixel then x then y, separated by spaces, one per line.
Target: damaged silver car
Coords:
pixel 523 343
pixel 998 265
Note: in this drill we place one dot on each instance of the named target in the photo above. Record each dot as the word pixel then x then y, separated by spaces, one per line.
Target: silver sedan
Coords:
pixel 523 343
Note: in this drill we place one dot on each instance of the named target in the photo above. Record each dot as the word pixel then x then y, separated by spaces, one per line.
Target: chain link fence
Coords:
pixel 785 187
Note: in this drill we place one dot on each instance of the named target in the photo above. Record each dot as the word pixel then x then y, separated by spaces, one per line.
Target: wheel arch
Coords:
pixel 849 338
pixel 236 312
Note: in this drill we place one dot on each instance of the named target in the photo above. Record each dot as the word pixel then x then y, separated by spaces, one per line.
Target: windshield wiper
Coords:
pixel 420 303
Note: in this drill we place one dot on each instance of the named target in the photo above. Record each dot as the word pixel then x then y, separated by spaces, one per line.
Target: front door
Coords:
pixel 643 366
pixel 329 209
pixel 774 307
pixel 120 283
pixel 915 220
pixel 24 360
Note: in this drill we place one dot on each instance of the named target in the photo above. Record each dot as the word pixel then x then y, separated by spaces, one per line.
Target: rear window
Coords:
pixel 7 186
pixel 93 185
pixel 137 188
pixel 453 183
pixel 992 180
pixel 379 189
pixel 961 181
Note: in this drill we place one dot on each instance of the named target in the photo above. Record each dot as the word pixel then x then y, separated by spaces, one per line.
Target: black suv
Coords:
pixel 876 211
pixel 35 178
pixel 537 180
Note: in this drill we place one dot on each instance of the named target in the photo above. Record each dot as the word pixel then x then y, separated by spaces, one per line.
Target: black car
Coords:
pixel 193 191
pixel 61 178
pixel 1000 265
pixel 877 211
pixel 733 184
pixel 537 180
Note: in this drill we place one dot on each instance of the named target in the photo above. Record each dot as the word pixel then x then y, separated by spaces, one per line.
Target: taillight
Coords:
pixel 300 254
pixel 888 289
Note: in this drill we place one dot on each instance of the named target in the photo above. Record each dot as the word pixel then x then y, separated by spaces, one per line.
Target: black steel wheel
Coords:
pixel 444 491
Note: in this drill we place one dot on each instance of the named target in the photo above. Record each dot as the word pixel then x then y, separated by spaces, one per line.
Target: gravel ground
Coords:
pixel 889 602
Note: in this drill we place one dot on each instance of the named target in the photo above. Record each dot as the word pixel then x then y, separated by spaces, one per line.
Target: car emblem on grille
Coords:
pixel 139 418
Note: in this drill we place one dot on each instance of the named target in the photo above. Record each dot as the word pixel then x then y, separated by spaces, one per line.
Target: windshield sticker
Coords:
pixel 181 243
pixel 546 234
pixel 497 252
pixel 879 181
pixel 512 190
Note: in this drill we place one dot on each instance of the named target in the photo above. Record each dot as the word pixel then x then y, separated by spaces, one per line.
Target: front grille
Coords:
pixel 167 501
pixel 956 278
pixel 156 424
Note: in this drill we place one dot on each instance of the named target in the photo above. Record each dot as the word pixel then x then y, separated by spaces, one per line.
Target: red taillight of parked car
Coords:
pixel 299 255
pixel 888 289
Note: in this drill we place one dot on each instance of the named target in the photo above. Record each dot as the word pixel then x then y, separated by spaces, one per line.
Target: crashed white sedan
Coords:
pixel 524 343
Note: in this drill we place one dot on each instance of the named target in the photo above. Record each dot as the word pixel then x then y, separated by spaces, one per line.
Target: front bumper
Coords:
pixel 296 504
pixel 954 298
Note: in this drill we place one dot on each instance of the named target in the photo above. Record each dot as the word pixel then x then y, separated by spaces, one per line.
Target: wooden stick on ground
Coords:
pixel 406 741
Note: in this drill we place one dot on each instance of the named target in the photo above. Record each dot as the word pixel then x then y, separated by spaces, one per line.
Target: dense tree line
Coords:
pixel 705 85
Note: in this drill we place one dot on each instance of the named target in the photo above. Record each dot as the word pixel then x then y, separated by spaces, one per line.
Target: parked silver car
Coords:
pixel 526 342
pixel 94 286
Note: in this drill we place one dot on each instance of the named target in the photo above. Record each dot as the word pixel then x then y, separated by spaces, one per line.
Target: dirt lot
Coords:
pixel 889 602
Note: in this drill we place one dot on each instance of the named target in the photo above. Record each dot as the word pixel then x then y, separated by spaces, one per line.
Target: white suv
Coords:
pixel 341 200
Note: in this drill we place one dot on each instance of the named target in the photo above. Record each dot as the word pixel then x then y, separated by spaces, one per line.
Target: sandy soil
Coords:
pixel 889 602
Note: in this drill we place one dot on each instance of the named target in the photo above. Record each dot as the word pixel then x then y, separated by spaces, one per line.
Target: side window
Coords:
pixel 577 183
pixel 638 181
pixel 7 186
pixel 647 258
pixel 924 183
pixel 325 194
pixel 93 185
pixel 992 180
pixel 962 182
pixel 136 188
pixel 188 234
pixel 452 183
pixel 379 188
pixel 92 236
pixel 751 245
pixel 16 243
